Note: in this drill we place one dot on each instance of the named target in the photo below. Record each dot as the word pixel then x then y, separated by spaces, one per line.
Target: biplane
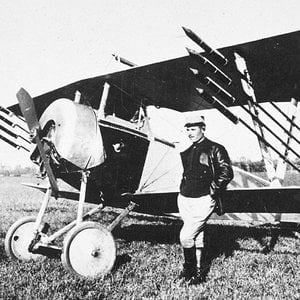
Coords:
pixel 96 135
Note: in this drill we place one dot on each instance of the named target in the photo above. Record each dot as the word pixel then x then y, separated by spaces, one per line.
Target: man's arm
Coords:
pixel 222 167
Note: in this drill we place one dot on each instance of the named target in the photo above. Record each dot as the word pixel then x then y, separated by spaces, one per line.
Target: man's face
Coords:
pixel 195 133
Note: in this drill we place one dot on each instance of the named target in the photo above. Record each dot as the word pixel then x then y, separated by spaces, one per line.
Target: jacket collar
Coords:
pixel 200 141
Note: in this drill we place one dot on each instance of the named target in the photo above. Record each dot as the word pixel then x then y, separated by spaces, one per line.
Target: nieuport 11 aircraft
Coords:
pixel 96 135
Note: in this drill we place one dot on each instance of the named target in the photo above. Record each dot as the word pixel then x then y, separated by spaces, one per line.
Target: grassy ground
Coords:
pixel 150 257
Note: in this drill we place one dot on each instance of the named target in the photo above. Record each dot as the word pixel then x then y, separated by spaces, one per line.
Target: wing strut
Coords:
pixel 281 166
pixel 104 97
pixel 252 105
pixel 290 120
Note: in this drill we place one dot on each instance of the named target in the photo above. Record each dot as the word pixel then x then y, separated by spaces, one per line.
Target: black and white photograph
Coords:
pixel 149 149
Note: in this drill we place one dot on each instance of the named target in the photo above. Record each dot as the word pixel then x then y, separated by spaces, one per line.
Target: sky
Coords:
pixel 47 44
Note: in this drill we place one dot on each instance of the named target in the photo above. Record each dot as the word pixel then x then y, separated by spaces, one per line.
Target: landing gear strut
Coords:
pixel 88 250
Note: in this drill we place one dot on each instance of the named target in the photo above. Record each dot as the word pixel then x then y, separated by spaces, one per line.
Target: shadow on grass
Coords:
pixel 121 260
pixel 3 255
pixel 224 240
pixel 222 237
pixel 157 233
pixel 219 239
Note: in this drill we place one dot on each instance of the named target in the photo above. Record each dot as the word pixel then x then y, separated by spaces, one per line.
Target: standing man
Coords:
pixel 206 171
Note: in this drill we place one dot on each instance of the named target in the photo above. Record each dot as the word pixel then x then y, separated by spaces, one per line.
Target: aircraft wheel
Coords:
pixel 18 239
pixel 89 250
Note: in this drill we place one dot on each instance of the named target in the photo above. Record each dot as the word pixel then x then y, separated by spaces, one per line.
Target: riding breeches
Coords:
pixel 194 212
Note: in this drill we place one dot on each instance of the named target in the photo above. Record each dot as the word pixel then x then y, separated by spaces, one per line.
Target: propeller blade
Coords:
pixel 28 110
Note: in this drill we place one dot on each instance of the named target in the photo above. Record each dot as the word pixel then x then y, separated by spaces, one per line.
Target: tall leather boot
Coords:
pixel 190 264
pixel 200 277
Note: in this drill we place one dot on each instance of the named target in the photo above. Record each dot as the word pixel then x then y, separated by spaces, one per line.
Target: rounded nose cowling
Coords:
pixel 77 137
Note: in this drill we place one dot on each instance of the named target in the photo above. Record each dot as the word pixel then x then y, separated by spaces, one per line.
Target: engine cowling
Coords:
pixel 75 133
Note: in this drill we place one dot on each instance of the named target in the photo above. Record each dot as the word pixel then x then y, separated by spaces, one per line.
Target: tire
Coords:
pixel 18 239
pixel 89 250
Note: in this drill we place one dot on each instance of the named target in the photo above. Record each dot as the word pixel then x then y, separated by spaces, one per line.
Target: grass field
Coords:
pixel 150 258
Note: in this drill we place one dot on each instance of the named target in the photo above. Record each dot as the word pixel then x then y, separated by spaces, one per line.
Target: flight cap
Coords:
pixel 194 120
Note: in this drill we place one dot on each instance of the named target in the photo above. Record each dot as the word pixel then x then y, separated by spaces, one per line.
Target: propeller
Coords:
pixel 28 110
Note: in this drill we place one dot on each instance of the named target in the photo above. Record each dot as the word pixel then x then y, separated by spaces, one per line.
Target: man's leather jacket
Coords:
pixel 207 169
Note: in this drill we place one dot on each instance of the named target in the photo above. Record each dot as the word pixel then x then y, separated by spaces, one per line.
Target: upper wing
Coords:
pixel 273 63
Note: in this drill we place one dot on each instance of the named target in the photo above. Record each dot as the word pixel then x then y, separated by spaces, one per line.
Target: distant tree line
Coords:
pixel 259 166
pixel 250 166
pixel 17 170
